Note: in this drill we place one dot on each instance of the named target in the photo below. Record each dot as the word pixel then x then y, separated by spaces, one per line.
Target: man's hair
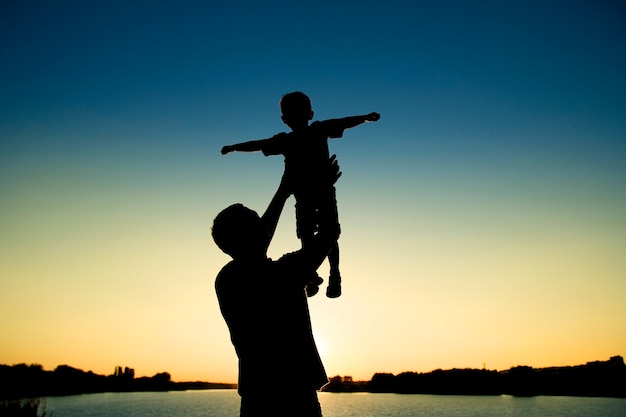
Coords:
pixel 234 228
pixel 295 104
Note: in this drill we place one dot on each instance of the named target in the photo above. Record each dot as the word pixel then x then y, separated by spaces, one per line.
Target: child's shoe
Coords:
pixel 334 286
pixel 313 287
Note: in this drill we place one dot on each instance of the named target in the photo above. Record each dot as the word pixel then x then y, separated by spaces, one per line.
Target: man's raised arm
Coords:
pixel 275 208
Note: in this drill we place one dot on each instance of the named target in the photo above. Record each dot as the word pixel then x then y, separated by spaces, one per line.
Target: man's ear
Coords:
pixel 283 119
pixel 311 115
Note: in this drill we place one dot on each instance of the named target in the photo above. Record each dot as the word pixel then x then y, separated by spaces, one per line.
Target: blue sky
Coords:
pixel 498 169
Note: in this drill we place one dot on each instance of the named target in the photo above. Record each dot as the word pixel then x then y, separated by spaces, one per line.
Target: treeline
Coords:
pixel 594 379
pixel 32 381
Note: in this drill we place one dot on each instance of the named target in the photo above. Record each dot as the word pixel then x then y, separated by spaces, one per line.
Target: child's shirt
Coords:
pixel 306 152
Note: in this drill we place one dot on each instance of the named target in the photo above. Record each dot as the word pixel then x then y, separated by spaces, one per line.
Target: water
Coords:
pixel 225 403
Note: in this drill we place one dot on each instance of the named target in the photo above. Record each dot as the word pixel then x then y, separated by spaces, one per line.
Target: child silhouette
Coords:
pixel 306 154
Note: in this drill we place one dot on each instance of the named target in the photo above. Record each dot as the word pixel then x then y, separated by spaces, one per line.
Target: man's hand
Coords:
pixel 227 149
pixel 372 117
pixel 333 172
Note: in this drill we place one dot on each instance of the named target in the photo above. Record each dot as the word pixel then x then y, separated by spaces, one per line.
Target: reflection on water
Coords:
pixel 225 403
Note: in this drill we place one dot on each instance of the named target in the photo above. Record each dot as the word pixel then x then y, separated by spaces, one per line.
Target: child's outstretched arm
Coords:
pixel 353 121
pixel 250 146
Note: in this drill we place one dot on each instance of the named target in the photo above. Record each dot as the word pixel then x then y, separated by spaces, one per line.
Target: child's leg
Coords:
pixel 305 230
pixel 315 280
pixel 328 220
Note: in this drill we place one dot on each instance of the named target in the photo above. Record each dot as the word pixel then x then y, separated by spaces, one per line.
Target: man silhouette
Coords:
pixel 265 307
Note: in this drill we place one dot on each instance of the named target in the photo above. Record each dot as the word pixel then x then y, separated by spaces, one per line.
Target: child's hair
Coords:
pixel 294 105
pixel 236 229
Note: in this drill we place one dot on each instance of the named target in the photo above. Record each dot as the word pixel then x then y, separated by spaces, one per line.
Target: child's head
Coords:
pixel 296 109
pixel 240 232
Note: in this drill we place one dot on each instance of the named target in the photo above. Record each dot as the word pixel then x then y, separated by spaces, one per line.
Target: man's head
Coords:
pixel 296 109
pixel 240 232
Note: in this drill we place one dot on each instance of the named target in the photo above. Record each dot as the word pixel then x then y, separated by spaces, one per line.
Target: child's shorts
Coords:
pixel 316 212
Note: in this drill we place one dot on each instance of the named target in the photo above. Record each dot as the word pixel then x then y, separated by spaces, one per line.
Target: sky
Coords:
pixel 483 217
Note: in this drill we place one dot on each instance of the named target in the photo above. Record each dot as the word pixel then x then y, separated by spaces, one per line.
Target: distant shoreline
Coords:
pixel 32 381
pixel 594 379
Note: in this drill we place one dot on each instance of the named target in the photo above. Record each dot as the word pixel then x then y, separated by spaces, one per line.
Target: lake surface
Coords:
pixel 225 403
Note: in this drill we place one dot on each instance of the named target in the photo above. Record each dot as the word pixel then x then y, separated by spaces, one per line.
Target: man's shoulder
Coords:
pixel 231 273
pixel 236 271
pixel 226 271
pixel 293 263
pixel 288 258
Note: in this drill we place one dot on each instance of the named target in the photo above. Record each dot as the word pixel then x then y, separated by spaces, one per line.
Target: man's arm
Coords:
pixel 275 208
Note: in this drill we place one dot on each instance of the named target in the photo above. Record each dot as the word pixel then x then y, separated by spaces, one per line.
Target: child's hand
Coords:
pixel 227 149
pixel 372 117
